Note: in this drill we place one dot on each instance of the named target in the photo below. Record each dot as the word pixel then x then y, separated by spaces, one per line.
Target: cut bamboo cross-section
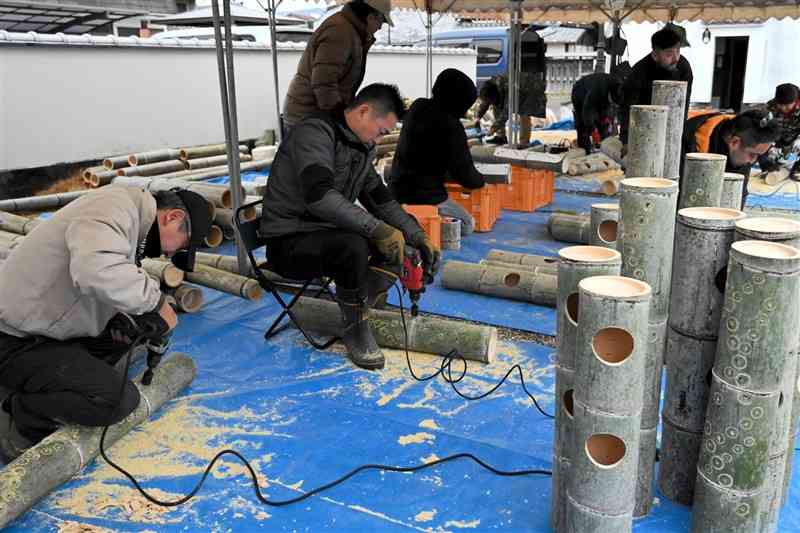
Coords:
pixel 426 334
pixel 113 163
pixel 63 454
pixel 188 299
pixel 167 273
pixel 702 181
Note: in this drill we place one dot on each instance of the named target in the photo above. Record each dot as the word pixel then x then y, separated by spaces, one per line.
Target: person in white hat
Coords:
pixel 333 64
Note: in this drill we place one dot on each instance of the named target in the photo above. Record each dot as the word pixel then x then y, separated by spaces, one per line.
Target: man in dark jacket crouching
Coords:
pixel 314 228
pixel 433 149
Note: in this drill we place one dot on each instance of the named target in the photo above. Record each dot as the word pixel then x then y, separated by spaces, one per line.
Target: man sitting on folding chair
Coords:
pixel 313 227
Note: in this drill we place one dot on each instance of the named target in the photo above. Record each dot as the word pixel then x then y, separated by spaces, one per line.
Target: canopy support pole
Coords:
pixel 227 89
pixel 273 15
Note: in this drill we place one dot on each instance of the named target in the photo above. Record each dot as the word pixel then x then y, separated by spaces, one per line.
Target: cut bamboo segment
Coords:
pixel 153 156
pixel 63 454
pixel 570 228
pixel 17 224
pixel 672 94
pixel 227 282
pixel 99 179
pixel 604 221
pixel 215 237
pixel 167 273
pixel 610 186
pixel 732 189
pixel 702 181
pixel 647 141
pixel 679 451
pixel 590 164
pixel 426 334
pixel 523 260
pixel 87 172
pixel 188 299
pixel 113 163
pixel 451 233
pixel 774 229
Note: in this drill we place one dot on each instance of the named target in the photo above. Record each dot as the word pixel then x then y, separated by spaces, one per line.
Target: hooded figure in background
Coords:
pixel 433 149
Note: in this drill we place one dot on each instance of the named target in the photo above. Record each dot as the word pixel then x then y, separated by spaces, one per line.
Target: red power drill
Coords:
pixel 412 277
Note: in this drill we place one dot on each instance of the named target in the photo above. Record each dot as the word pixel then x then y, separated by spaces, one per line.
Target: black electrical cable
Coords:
pixel 388 468
pixel 446 369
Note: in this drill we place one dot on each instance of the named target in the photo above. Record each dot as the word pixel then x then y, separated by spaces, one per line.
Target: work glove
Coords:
pixel 431 255
pixel 389 242
pixel 126 328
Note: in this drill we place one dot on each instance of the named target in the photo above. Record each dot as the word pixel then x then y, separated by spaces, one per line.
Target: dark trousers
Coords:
pixel 55 382
pixel 339 254
pixel 584 130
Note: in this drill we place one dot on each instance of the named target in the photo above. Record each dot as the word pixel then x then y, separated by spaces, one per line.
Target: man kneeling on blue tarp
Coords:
pixel 73 297
pixel 314 228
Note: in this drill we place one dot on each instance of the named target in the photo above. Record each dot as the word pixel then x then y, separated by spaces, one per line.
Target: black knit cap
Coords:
pixel 665 38
pixel 786 93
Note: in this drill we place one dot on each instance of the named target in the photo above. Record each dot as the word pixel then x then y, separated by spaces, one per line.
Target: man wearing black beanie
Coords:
pixel 663 63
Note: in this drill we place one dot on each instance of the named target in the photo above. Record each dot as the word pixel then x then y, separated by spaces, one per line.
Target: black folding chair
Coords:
pixel 252 240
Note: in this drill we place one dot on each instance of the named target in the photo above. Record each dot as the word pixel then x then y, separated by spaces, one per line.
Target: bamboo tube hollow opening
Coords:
pixel 612 345
pixel 568 403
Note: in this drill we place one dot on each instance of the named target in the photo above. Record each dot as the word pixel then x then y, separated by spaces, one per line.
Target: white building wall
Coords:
pixel 773 55
pixel 66 103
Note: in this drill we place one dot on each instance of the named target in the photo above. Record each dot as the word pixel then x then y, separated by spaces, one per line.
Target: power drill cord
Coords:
pixel 445 371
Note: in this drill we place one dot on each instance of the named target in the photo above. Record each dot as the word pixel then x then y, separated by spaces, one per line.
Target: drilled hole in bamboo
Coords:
pixel 721 280
pixel 511 280
pixel 605 450
pixel 607 231
pixel 573 303
pixel 568 404
pixel 612 345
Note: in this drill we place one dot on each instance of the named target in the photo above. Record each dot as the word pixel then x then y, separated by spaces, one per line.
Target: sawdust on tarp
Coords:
pixel 68 526
pixel 177 444
pixel 425 516
pixel 416 438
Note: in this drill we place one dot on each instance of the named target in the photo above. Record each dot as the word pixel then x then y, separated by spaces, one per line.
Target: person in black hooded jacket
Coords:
pixel 433 149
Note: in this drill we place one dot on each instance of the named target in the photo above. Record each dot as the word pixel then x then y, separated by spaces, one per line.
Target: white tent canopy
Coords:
pixel 585 11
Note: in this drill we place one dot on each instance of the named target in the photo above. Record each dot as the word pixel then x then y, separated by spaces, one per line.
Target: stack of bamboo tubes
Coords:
pixel 195 163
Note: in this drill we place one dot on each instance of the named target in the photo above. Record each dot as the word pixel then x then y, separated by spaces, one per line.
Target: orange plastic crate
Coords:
pixel 529 189
pixel 428 217
pixel 483 204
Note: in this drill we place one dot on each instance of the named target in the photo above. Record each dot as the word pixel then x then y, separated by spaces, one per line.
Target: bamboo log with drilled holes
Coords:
pixel 64 454
pixel 426 334
pixel 502 282
pixel 647 141
pixel 702 181
pixel 570 228
pixel 589 164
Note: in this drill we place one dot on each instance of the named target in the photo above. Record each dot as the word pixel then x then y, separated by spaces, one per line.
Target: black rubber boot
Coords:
pixel 380 280
pixel 12 443
pixel 357 337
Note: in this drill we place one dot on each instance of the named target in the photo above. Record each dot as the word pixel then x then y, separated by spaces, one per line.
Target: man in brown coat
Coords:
pixel 333 64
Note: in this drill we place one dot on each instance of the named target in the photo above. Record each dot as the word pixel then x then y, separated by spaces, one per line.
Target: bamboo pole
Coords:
pixel 17 224
pixel 87 172
pixel 224 219
pixel 647 141
pixel 153 156
pixel 451 233
pixel 153 169
pixel 213 161
pixel 193 152
pixel 226 282
pixel 100 179
pixel 62 455
pixel 40 203
pixel 510 282
pixel 219 195
pixel 776 176
pixel 426 334
pixel 773 229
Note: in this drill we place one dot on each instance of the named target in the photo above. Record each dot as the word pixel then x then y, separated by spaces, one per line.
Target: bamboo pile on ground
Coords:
pixel 646 236
pixel 576 264
pixel 705 234
pixel 758 336
pixel 610 357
